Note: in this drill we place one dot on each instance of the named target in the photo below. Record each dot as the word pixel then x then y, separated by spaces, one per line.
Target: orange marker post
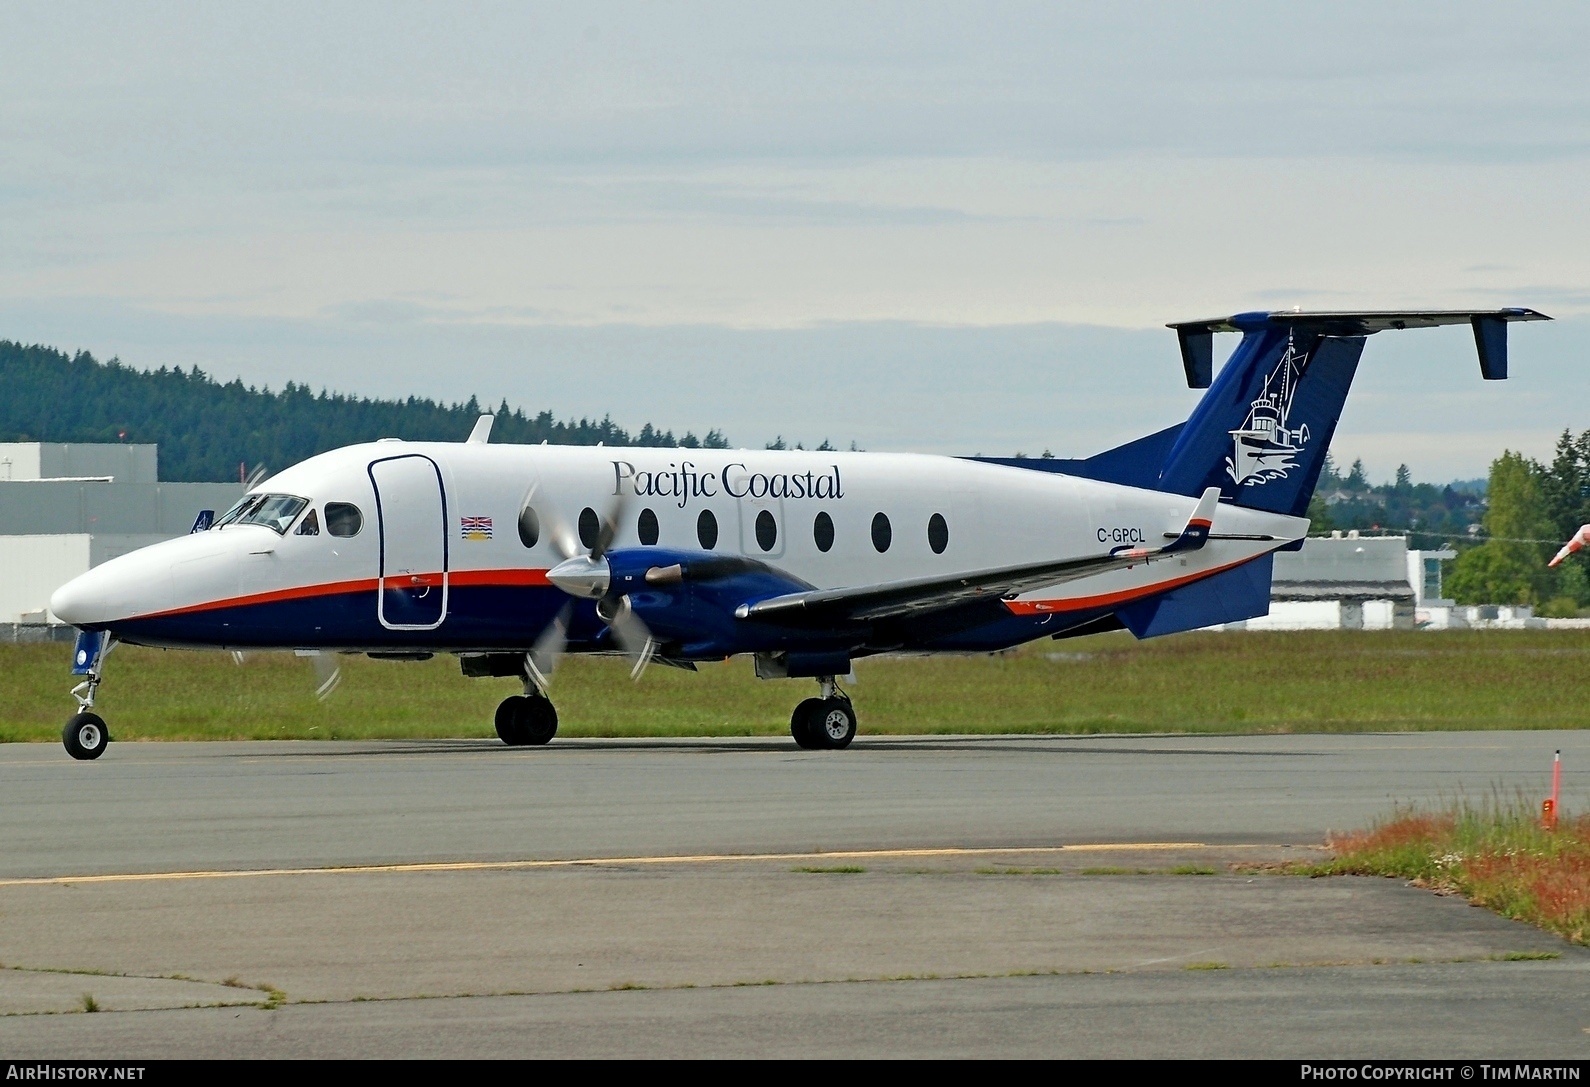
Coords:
pixel 1548 810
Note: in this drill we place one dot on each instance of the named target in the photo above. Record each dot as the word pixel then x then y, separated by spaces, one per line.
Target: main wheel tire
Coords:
pixel 85 736
pixel 803 723
pixel 540 720
pixel 511 721
pixel 835 724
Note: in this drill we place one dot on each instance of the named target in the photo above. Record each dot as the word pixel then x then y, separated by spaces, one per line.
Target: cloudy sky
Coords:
pixel 951 228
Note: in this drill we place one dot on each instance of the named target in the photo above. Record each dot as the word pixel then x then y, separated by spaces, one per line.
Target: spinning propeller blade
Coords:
pixel 543 658
pixel 328 673
pixel 632 636
pixel 588 577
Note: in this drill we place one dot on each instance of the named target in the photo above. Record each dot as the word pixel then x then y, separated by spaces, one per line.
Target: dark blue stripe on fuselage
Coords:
pixel 499 618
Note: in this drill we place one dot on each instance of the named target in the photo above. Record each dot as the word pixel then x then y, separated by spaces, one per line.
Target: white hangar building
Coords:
pixel 1345 581
pixel 67 507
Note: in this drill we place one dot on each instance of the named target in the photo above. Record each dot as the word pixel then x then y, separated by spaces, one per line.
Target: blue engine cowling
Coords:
pixel 690 599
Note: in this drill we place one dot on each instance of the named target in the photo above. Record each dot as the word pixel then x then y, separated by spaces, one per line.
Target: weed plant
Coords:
pixel 1495 854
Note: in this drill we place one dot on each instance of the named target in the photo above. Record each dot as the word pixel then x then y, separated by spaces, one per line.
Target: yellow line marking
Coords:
pixel 599 862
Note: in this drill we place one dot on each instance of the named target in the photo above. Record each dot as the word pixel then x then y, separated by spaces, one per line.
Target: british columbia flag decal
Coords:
pixel 475 528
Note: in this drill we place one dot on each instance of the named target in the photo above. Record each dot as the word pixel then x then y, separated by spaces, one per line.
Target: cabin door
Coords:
pixel 411 509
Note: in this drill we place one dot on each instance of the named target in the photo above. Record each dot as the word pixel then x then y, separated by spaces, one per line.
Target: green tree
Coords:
pixel 1508 568
pixel 1357 479
pixel 205 429
pixel 1319 515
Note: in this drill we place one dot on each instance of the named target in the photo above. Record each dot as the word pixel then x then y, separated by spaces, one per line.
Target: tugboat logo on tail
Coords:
pixel 1264 447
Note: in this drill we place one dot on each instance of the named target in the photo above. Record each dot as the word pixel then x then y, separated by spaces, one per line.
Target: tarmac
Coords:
pixel 928 896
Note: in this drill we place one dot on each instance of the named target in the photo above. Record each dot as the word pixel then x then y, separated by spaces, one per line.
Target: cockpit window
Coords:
pixel 274 511
pixel 309 526
pixel 343 519
pixel 247 502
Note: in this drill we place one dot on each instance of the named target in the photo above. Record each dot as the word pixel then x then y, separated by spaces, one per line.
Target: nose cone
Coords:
pixel 582 576
pixel 126 587
pixel 71 603
pixel 89 598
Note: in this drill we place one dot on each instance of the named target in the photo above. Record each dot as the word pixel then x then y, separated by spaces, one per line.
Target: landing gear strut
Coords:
pixel 825 722
pixel 85 735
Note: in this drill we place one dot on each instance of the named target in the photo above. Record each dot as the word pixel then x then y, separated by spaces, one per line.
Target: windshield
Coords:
pixel 274 511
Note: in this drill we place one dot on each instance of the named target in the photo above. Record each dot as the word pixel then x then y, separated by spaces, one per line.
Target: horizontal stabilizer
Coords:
pixel 1490 332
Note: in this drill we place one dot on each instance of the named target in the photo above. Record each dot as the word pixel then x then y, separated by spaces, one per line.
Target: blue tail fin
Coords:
pixel 1262 430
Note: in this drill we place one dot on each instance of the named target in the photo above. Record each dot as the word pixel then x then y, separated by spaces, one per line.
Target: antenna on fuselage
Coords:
pixel 482 432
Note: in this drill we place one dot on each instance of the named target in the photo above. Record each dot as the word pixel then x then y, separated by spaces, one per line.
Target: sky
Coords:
pixel 951 228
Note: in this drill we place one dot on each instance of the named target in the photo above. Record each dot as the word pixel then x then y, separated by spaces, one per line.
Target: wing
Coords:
pixel 918 595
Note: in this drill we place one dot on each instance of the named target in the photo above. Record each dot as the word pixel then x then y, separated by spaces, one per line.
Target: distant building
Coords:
pixel 67 507
pixel 1346 581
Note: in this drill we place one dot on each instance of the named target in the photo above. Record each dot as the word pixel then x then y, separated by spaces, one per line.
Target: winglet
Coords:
pixel 482 432
pixel 1192 536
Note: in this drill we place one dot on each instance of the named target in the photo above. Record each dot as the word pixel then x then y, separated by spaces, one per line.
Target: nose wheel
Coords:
pixel 85 735
pixel 828 722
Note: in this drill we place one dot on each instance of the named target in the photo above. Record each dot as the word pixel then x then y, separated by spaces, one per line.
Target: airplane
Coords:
pixel 510 556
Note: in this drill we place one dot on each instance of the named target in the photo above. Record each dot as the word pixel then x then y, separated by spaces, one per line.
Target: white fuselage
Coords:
pixel 453 530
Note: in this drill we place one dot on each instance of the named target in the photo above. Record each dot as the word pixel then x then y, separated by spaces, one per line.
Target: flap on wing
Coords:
pixel 917 595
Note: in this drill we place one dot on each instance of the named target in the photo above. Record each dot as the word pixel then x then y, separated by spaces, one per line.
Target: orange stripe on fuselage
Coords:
pixel 457 578
pixel 1105 600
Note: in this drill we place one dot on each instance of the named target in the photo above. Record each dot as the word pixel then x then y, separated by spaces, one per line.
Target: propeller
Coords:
pixel 587 576
pixel 328 673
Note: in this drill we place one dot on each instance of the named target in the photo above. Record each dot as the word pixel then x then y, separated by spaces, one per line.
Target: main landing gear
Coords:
pixel 526 719
pixel 529 719
pixel 826 722
pixel 85 735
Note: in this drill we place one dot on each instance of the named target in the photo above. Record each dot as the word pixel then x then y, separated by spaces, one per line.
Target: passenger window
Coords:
pixel 309 526
pixel 938 533
pixel 707 530
pixel 646 527
pixel 529 527
pixel 343 519
pixel 823 531
pixel 882 534
pixel 590 528
pixel 766 531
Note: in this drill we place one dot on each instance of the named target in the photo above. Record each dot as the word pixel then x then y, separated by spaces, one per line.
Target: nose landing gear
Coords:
pixel 85 735
pixel 826 722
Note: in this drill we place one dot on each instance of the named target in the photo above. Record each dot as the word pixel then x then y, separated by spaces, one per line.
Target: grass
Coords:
pixel 838 869
pixel 1496 855
pixel 1308 681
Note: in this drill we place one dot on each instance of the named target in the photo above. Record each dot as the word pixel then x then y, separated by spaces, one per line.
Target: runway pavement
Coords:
pixel 996 896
